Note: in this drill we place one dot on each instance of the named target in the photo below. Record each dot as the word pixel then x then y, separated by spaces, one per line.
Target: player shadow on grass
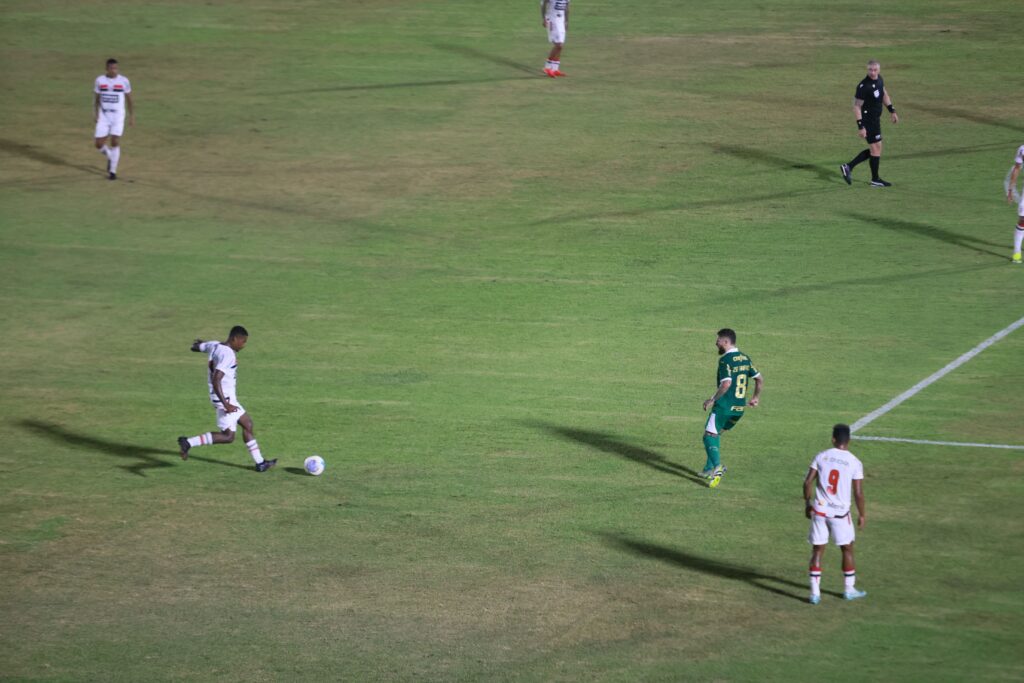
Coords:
pixel 973 117
pixel 473 53
pixel 705 565
pixel 825 174
pixel 407 84
pixel 31 152
pixel 936 233
pixel 608 443
pixel 145 455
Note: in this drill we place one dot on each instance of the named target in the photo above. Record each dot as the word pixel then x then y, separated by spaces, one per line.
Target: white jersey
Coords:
pixel 557 7
pixel 223 358
pixel 1019 159
pixel 837 470
pixel 112 92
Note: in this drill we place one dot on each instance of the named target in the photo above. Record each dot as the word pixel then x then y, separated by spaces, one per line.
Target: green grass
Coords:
pixel 488 299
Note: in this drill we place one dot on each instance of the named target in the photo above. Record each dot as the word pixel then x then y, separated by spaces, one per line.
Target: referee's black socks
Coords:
pixel 874 167
pixel 863 156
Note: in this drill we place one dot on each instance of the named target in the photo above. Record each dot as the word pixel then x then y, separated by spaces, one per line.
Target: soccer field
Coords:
pixel 489 300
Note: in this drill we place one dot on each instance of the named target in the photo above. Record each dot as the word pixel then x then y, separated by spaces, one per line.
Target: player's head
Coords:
pixel 237 337
pixel 112 67
pixel 873 68
pixel 726 340
pixel 841 435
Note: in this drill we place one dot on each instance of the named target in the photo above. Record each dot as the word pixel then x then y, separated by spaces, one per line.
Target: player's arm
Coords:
pixel 544 13
pixel 809 484
pixel 758 385
pixel 723 387
pixel 96 107
pixel 858 497
pixel 887 101
pixel 215 380
pixel 130 104
pixel 197 344
pixel 567 16
pixel 1013 182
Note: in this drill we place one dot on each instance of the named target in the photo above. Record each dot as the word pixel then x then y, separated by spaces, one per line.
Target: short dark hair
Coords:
pixel 111 61
pixel 728 334
pixel 841 434
pixel 238 331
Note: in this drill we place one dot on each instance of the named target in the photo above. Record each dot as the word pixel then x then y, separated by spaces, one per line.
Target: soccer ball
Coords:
pixel 314 465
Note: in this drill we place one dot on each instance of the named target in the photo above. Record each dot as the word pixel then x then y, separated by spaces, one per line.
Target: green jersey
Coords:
pixel 739 368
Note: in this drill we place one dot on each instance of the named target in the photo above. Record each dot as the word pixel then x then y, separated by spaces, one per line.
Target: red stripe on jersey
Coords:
pixel 104 87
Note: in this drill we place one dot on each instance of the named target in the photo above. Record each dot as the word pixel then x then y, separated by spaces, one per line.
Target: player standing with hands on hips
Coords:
pixel 1011 190
pixel 867 110
pixel 555 16
pixel 827 487
pixel 113 96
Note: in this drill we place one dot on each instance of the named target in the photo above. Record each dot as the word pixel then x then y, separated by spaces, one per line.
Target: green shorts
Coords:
pixel 722 419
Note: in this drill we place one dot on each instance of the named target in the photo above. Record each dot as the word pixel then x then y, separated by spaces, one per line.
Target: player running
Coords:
pixel 1011 190
pixel 555 16
pixel 113 96
pixel 223 366
pixel 827 491
pixel 735 370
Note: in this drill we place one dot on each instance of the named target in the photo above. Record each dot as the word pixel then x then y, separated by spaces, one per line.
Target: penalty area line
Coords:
pixel 927 442
pixel 935 377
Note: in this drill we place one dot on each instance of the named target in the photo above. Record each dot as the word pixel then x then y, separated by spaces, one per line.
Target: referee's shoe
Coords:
pixel 845 170
pixel 878 182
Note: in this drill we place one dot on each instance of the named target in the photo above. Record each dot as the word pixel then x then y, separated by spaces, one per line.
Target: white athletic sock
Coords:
pixel 849 578
pixel 815 575
pixel 201 440
pixel 254 451
pixel 1018 236
pixel 105 150
pixel 555 64
pixel 115 156
pixel 547 64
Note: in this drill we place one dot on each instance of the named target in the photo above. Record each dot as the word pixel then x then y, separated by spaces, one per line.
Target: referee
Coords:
pixel 867 109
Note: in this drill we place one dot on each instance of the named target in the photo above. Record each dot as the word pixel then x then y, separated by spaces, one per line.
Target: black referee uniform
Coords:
pixel 872 94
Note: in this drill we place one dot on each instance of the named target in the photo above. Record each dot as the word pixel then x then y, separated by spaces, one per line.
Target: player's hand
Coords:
pixel 229 408
pixel 707 403
pixel 1009 196
pixel 754 401
pixel 860 521
pixel 544 23
pixel 131 121
pixel 862 133
pixel 895 117
pixel 807 511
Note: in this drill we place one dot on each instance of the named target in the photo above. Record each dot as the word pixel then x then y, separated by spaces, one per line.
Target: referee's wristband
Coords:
pixel 860 125
pixel 891 108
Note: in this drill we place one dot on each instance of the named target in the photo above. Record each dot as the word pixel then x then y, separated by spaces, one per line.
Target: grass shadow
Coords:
pixel 146 457
pixel 35 154
pixel 972 116
pixel 932 232
pixel 480 55
pixel 294 470
pixel 760 156
pixel 608 443
pixel 705 565
pixel 407 84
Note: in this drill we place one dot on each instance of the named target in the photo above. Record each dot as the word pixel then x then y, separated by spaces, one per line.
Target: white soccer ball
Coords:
pixel 314 465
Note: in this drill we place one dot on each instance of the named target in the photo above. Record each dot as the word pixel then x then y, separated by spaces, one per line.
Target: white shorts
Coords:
pixel 841 529
pixel 109 124
pixel 229 421
pixel 556 28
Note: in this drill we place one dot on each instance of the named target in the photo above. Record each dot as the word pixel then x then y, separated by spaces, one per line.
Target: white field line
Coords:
pixel 939 443
pixel 875 414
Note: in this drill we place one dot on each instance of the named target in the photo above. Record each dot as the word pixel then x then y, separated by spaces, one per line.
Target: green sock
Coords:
pixel 711 442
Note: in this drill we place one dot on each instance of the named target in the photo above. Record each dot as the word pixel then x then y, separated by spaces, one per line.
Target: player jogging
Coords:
pixel 555 16
pixel 827 487
pixel 735 370
pixel 223 366
pixel 867 110
pixel 1011 191
pixel 113 96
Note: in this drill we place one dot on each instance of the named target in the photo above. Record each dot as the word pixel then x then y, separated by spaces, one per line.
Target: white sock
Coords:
pixel 201 440
pixel 547 64
pixel 1018 236
pixel 849 578
pixel 555 64
pixel 254 451
pixel 104 150
pixel 815 574
pixel 115 156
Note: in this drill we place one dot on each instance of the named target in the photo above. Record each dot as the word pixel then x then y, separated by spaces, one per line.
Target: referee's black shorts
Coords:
pixel 873 126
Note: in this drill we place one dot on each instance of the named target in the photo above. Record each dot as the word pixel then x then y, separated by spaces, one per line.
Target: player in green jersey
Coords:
pixel 735 370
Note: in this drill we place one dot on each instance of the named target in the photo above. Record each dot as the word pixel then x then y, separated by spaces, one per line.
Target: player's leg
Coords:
pixel 814 570
pixel 249 434
pixel 842 530
pixel 186 443
pixel 100 137
pixel 876 162
pixel 115 149
pixel 712 442
pixel 1018 235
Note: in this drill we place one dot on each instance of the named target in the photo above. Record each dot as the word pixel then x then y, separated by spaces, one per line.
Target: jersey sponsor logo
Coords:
pixel 110 99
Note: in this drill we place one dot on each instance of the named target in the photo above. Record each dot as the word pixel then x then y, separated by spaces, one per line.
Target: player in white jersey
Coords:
pixel 222 373
pixel 113 98
pixel 555 16
pixel 833 475
pixel 1013 195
